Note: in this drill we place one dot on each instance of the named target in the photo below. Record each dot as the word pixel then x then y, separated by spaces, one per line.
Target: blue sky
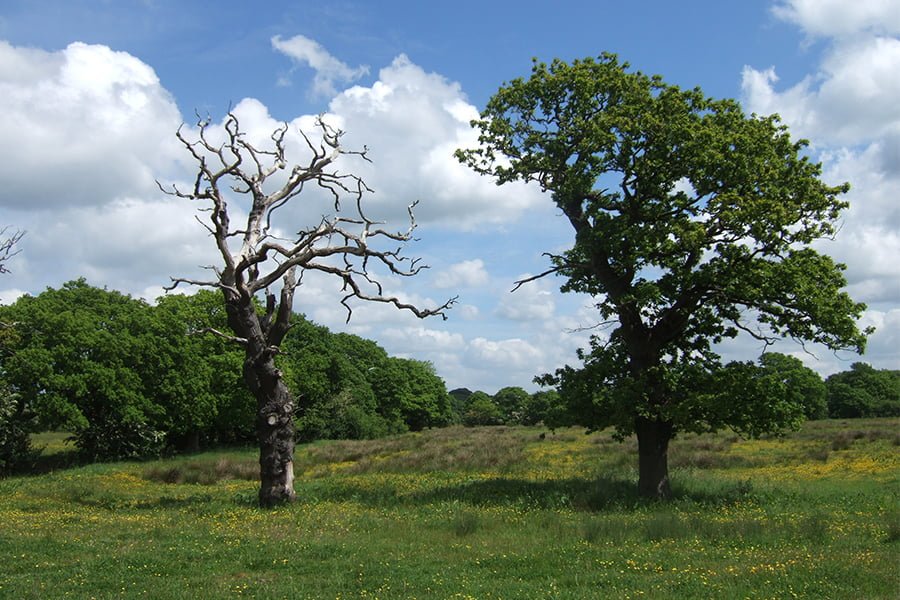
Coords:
pixel 92 92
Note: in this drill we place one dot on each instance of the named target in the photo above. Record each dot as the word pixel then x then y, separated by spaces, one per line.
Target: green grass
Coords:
pixel 472 513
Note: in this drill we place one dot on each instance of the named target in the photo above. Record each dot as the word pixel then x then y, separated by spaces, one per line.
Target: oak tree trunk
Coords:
pixel 274 403
pixel 275 434
pixel 653 458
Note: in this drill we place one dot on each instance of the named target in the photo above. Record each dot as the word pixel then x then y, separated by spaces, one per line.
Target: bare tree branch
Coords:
pixel 7 246
pixel 232 169
pixel 216 332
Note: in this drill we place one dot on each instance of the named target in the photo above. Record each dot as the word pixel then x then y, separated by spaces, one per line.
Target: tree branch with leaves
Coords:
pixel 692 223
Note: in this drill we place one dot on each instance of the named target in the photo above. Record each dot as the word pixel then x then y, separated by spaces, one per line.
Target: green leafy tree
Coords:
pixel 692 222
pixel 331 377
pixel 197 377
pixel 459 400
pixel 432 406
pixel 802 385
pixel 80 363
pixel 511 401
pixel 17 423
pixel 482 410
pixel 544 407
pixel 863 391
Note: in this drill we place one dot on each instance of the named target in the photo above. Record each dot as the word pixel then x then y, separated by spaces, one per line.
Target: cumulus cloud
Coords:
pixel 849 101
pixel 514 354
pixel 848 108
pixel 835 18
pixel 530 302
pixel 85 125
pixel 425 339
pixel 412 121
pixel 468 273
pixel 329 70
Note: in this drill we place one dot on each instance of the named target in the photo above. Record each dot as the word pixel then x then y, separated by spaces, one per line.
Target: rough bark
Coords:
pixel 275 434
pixel 653 457
pixel 274 403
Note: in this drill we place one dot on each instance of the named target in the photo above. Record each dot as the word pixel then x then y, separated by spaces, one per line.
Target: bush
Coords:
pixel 118 438
pixel 16 425
pixel 863 392
pixel 340 417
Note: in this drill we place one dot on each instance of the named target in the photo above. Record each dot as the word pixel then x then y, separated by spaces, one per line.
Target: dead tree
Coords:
pixel 7 247
pixel 256 259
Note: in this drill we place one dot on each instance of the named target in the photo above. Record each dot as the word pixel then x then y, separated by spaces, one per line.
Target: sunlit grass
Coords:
pixel 472 513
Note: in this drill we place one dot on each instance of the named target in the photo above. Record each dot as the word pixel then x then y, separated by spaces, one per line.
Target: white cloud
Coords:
pixel 848 108
pixel 84 125
pixel 8 296
pixel 511 354
pixel 421 339
pixel 468 273
pixel 469 312
pixel 329 70
pixel 412 122
pixel 530 302
pixel 851 100
pixel 833 18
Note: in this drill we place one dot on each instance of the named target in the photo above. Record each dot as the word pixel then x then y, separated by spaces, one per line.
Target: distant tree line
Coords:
pixel 130 379
pixel 775 383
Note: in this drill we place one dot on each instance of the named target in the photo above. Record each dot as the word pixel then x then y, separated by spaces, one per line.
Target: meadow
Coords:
pixel 493 512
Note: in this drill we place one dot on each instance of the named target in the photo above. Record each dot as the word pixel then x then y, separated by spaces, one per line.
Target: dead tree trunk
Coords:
pixel 339 245
pixel 274 403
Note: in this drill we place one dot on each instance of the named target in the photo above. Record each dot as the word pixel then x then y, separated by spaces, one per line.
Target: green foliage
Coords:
pixel 16 425
pixel 80 363
pixel 199 375
pixel 688 215
pixel 864 392
pixel 545 406
pixel 803 385
pixel 128 379
pixel 349 388
pixel 341 416
pixel 482 410
pixel 459 399
pixel 131 380
pixel 511 401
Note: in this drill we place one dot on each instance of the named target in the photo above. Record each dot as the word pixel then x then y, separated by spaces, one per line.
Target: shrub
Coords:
pixel 117 438
pixel 15 426
pixel 341 417
pixel 482 410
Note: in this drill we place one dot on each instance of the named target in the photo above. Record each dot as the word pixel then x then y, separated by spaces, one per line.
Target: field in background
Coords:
pixel 472 513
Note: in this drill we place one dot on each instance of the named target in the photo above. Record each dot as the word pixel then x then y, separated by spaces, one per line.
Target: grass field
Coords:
pixel 471 513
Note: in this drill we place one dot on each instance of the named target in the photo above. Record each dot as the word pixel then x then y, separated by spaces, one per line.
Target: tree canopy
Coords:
pixel 693 222
pixel 863 391
pixel 131 379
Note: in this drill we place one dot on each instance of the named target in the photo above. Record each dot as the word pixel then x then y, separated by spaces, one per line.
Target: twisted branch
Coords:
pixel 255 259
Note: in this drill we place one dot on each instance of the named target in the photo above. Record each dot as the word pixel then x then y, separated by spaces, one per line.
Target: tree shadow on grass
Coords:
pixel 579 494
pixel 583 494
pixel 42 464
